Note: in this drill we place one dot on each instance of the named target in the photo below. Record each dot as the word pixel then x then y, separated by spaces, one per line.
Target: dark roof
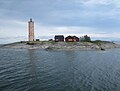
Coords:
pixel 76 37
pixel 69 37
pixel 59 36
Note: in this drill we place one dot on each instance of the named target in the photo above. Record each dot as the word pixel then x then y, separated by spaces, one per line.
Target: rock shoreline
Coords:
pixel 63 45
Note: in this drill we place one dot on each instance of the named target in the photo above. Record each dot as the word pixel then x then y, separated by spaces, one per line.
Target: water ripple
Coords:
pixel 39 70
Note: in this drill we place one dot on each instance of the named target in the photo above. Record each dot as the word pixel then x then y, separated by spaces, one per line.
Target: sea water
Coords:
pixel 40 70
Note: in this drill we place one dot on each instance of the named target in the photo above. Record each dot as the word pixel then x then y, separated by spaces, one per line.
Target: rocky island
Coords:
pixel 52 45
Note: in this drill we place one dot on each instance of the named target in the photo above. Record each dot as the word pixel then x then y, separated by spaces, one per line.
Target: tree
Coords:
pixel 86 38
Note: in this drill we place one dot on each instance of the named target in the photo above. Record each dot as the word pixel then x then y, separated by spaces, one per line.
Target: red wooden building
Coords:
pixel 72 39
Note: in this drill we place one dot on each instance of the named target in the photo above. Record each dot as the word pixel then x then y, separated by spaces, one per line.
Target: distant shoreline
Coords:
pixel 51 45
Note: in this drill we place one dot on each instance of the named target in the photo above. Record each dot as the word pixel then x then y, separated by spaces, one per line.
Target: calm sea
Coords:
pixel 40 70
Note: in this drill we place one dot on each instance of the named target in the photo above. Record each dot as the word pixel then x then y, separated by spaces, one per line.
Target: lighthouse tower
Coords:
pixel 31 30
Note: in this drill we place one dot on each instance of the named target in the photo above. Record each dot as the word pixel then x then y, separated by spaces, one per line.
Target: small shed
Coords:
pixel 59 38
pixel 37 39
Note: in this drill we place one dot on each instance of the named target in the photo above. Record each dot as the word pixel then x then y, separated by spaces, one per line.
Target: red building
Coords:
pixel 76 39
pixel 69 39
pixel 72 39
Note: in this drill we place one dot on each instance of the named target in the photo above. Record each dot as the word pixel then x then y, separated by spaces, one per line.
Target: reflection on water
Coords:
pixel 33 58
pixel 39 70
pixel 33 68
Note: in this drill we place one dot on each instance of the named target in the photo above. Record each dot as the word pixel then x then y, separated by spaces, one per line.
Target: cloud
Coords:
pixel 96 2
pixel 18 31
pixel 50 31
pixel 12 28
pixel 68 17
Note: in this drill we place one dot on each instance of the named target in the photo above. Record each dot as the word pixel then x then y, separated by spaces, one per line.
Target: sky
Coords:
pixel 100 19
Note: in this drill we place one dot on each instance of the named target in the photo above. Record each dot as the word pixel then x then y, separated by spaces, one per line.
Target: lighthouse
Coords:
pixel 31 31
